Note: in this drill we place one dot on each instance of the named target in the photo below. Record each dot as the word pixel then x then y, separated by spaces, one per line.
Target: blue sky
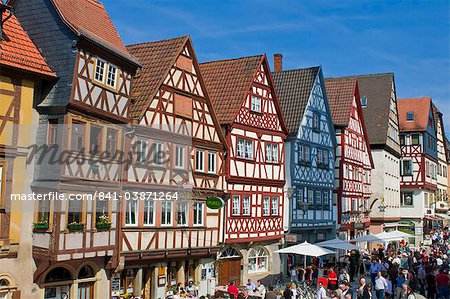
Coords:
pixel 409 38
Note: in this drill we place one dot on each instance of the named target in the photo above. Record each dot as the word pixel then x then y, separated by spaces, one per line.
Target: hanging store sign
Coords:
pixel 214 203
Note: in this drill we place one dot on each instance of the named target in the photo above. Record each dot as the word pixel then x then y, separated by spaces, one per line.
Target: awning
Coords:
pixel 442 216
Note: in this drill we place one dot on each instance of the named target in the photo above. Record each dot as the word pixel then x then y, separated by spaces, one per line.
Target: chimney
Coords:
pixel 277 62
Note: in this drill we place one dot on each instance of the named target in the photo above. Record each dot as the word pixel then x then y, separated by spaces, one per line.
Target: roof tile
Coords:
pixel 341 92
pixel 421 109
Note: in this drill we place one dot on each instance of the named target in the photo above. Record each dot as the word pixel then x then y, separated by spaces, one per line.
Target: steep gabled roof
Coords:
pixel 228 81
pixel 17 50
pixel 421 109
pixel 90 19
pixel 377 89
pixel 293 89
pixel 341 93
pixel 156 58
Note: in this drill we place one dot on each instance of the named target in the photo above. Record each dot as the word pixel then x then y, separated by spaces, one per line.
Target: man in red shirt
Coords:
pixel 332 279
pixel 233 290
pixel 443 283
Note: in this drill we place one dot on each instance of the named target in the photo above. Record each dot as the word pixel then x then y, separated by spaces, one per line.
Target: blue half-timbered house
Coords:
pixel 310 150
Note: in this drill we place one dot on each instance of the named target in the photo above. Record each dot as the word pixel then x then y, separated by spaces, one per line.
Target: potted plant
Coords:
pixel 103 223
pixel 75 227
pixel 40 225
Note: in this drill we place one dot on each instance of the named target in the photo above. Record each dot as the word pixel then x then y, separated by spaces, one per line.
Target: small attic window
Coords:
pixel 409 116
pixel 363 102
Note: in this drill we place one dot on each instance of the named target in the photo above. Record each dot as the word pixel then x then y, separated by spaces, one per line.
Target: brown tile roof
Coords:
pixel 377 89
pixel 293 89
pixel 421 109
pixel 156 59
pixel 18 51
pixel 90 19
pixel 341 92
pixel 227 82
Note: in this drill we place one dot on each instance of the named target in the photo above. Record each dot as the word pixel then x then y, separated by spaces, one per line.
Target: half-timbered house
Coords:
pixel 419 162
pixel 310 152
pixel 75 241
pixel 22 71
pixel 442 172
pixel 179 155
pixel 244 98
pixel 353 163
pixel 379 105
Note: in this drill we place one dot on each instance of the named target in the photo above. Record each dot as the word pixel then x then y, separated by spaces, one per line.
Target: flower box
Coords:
pixel 39 226
pixel 103 225
pixel 75 227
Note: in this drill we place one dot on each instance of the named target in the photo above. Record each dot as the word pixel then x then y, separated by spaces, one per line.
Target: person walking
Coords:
pixel 367 294
pixel 374 269
pixel 380 285
pixel 321 293
pixel 442 284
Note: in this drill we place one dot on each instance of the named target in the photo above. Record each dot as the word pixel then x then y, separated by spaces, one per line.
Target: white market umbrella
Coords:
pixel 338 244
pixel 399 234
pixel 369 238
pixel 306 249
pixel 388 237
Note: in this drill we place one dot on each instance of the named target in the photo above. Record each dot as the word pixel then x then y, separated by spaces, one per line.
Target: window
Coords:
pixel 149 212
pixel 211 162
pixel 131 212
pixel 199 160
pixel 275 206
pixel 52 131
pixel 182 213
pixel 248 149
pixel 246 205
pixel 95 140
pixel 363 102
pixel 310 197
pixel 236 205
pixel 407 199
pixel 406 167
pixel 318 198
pixel 77 136
pixel 415 139
pixel 325 160
pixel 100 70
pixel 325 200
pixel 402 139
pixel 198 213
pixel 272 153
pixel 111 142
pixel 266 205
pixel 258 260
pixel 141 150
pixel 316 121
pixel 319 156
pixel 111 80
pixel 241 148
pixel 256 104
pixel 245 149
pixel 75 211
pixel 158 153
pixel 303 153
pixel 410 116
pixel 101 210
pixel 166 213
pixel 179 156
pixel 299 198
pixel 43 211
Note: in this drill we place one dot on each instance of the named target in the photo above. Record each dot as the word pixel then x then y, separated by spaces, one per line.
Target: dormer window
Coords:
pixel 256 104
pixel 105 74
pixel 363 102
pixel 410 116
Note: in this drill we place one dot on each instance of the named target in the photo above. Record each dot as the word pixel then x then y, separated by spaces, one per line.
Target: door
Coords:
pixel 86 290
pixel 229 270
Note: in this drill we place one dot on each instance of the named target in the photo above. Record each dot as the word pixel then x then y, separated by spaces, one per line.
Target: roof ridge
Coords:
pixel 364 75
pixel 157 41
pixel 232 59
pixel 301 69
pixel 95 2
pixel 416 98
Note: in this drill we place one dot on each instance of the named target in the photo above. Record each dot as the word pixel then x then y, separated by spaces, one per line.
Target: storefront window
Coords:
pixel 258 260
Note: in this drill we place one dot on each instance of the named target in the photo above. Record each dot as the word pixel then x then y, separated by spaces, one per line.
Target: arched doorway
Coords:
pixel 229 266
pixel 86 275
pixel 8 290
pixel 58 283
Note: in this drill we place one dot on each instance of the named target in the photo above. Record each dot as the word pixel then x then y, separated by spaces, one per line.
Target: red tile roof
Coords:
pixel 227 82
pixel 421 109
pixel 156 58
pixel 18 51
pixel 341 92
pixel 90 18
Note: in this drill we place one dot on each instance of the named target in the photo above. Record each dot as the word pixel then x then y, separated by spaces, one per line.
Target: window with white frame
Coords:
pixel 211 162
pixel 245 148
pixel 158 153
pixel 241 148
pixel 149 212
pixel 363 102
pixel 256 104
pixel 236 205
pixel 318 198
pixel 303 153
pixel 131 213
pixel 406 167
pixel 316 121
pixel 246 205
pixel 198 213
pixel 249 149
pixel 179 156
pixel 199 160
pixel 182 213
pixel 310 198
pixel 407 199
pixel 141 150
pixel 275 206
pixel 258 260
pixel 111 79
pixel 106 73
pixel 100 70
pixel 166 212
pixel 266 205
pixel 325 200
pixel 272 152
